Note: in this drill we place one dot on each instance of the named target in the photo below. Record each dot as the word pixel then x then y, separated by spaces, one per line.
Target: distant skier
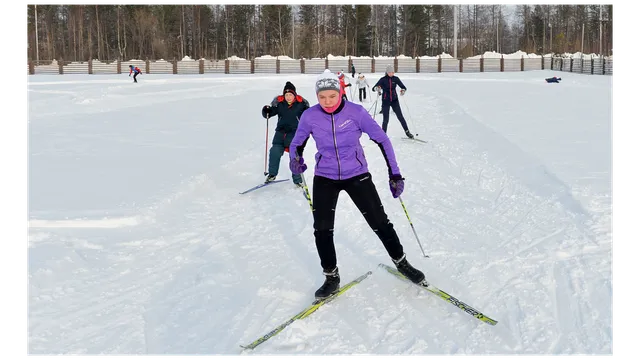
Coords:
pixel 362 86
pixel 353 71
pixel 135 71
pixel 386 87
pixel 336 127
pixel 343 85
pixel 553 80
pixel 289 107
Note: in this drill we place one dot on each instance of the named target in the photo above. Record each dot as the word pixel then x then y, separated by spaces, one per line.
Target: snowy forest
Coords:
pixel 110 32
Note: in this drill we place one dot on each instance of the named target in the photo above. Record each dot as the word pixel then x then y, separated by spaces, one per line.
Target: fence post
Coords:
pixel 542 62
pixel 301 66
pixel 349 64
pixel 252 70
pixel 501 63
pixel 551 62
pixel 591 65
pixel 571 65
pixel 395 64
pixel 417 65
pixel 226 66
pixel 373 65
pixel 277 66
pixel 90 66
pixel 147 66
pixel 32 69
pixel 201 66
pixel 118 66
pixel 481 63
pixel 175 66
pixel 460 64
pixel 522 63
pixel 326 63
pixel 604 67
pixel 61 67
pixel 439 63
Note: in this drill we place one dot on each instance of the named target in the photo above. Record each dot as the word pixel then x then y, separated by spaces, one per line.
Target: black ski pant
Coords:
pixel 363 94
pixel 134 77
pixel 395 105
pixel 363 193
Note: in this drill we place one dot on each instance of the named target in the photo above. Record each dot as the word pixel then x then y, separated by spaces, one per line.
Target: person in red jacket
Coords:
pixel 135 70
pixel 343 85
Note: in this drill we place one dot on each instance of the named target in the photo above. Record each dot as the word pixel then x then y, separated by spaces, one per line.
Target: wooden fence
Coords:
pixel 596 66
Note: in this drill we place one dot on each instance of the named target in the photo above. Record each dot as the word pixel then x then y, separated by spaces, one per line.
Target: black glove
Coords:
pixel 265 111
pixel 396 185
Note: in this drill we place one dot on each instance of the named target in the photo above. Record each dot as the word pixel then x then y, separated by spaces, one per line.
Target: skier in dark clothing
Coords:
pixel 289 107
pixel 386 87
pixel 553 80
pixel 336 126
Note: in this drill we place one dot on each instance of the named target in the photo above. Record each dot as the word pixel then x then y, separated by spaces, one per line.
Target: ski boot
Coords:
pixel 330 286
pixel 269 178
pixel 409 134
pixel 413 274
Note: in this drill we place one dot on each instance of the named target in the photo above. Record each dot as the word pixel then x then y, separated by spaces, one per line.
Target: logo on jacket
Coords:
pixel 347 122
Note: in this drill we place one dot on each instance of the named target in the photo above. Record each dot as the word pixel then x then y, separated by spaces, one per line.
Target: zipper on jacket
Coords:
pixel 335 145
pixel 390 91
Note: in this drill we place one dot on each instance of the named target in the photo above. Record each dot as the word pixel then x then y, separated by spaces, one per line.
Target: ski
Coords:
pixel 306 312
pixel 263 185
pixel 415 139
pixel 443 295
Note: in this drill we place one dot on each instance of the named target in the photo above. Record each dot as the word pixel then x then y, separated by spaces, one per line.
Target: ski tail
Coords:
pixel 443 295
pixel 262 185
pixel 416 139
pixel 306 312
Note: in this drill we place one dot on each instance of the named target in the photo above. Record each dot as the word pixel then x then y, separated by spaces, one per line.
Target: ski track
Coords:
pixel 185 268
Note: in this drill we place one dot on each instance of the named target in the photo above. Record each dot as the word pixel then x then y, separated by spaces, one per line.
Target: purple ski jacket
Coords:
pixel 337 136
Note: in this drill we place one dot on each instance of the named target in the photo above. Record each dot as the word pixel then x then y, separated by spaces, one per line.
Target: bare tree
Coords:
pixel 80 32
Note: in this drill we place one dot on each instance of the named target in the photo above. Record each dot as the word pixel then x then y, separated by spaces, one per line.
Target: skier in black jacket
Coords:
pixel 289 107
pixel 386 86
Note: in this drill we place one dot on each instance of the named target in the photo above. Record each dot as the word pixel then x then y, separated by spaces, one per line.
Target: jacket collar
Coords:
pixel 342 102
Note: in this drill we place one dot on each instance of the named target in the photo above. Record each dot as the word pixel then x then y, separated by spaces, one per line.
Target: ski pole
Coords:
pixel 266 142
pixel 409 115
pixel 306 192
pixel 412 228
pixel 375 107
pixel 371 107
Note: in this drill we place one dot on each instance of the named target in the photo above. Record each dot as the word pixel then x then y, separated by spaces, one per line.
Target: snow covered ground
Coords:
pixel 139 242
